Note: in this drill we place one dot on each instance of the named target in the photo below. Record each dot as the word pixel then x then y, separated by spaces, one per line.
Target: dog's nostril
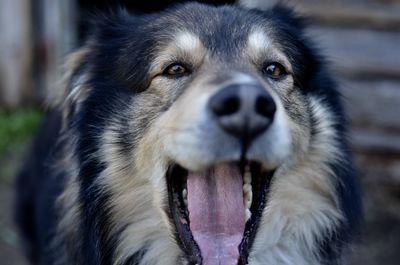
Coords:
pixel 226 102
pixel 230 105
pixel 265 106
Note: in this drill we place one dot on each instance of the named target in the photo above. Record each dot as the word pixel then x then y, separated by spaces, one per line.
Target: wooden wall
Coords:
pixel 35 37
pixel 15 52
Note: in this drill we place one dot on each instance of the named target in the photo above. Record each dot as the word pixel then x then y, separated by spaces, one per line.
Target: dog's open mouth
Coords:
pixel 216 211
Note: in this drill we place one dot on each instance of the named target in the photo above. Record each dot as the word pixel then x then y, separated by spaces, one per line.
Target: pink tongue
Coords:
pixel 216 213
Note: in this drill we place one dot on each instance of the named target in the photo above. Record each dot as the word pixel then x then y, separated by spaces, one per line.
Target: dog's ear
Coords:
pixel 283 19
pixel 67 94
pixel 283 13
pixel 116 38
pixel 114 23
pixel 286 16
pixel 71 88
pixel 106 30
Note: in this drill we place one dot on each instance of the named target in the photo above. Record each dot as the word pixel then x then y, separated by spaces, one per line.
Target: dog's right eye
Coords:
pixel 176 70
pixel 274 70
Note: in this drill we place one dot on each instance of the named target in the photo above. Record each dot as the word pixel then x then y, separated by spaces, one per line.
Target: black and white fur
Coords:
pixel 93 191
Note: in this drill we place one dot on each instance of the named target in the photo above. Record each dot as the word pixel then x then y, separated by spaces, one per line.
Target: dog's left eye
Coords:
pixel 274 70
pixel 176 69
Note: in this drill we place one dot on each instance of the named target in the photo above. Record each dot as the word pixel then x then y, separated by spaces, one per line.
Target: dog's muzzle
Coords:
pixel 216 209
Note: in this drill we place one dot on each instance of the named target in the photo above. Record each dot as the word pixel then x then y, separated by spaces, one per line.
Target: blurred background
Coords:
pixel 360 37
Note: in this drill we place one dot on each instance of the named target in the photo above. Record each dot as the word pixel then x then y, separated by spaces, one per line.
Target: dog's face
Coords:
pixel 194 115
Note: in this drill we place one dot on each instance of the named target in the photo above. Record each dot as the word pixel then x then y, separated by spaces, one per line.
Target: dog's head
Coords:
pixel 193 122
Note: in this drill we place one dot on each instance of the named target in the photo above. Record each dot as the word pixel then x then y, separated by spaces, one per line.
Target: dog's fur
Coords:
pixel 94 190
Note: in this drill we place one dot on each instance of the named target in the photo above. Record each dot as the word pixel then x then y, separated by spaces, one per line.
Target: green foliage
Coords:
pixel 17 127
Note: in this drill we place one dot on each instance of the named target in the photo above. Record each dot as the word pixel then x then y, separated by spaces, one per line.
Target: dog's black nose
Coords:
pixel 244 111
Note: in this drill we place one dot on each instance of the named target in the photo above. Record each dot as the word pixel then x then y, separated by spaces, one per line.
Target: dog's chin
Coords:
pixel 216 210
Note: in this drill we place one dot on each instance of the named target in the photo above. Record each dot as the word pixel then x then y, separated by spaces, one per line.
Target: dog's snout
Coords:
pixel 244 111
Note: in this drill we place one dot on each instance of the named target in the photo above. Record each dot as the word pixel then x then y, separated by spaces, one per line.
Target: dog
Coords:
pixel 195 135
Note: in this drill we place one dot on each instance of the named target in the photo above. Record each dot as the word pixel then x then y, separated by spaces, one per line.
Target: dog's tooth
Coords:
pixel 247 204
pixel 247 195
pixel 247 175
pixel 247 214
pixel 246 188
pixel 184 195
pixel 248 199
pixel 247 178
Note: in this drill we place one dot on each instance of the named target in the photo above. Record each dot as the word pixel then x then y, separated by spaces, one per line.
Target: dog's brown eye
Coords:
pixel 176 69
pixel 274 70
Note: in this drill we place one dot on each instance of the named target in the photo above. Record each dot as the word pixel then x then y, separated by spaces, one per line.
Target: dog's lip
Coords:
pixel 179 214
